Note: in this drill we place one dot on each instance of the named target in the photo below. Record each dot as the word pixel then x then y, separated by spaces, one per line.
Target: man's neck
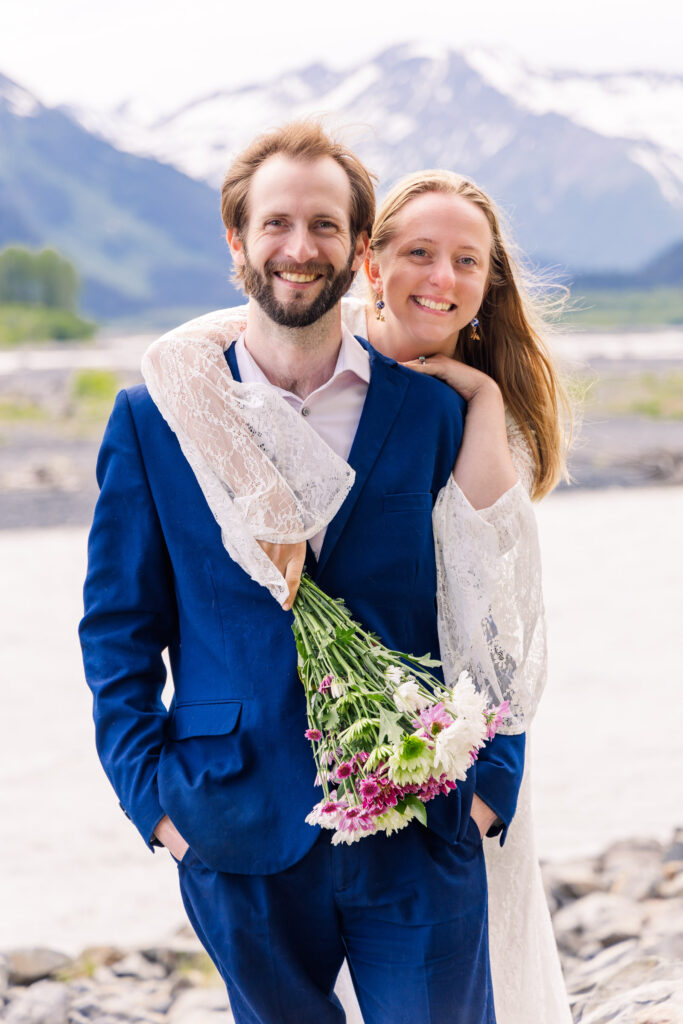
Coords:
pixel 297 359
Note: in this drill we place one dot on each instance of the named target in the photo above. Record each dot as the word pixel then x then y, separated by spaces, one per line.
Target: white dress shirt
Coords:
pixel 334 409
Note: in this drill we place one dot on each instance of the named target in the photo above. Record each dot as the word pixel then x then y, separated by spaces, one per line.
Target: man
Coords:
pixel 226 778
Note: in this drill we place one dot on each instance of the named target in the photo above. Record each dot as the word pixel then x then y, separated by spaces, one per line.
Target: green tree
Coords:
pixel 58 279
pixel 37 278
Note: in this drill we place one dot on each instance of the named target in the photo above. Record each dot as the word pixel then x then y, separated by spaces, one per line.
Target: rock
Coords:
pixel 127 999
pixel 632 868
pixel 29 965
pixel 570 880
pixel 201 1006
pixel 599 919
pixel 135 965
pixel 586 974
pixel 675 850
pixel 655 1002
pixel 45 1002
pixel 4 974
pixel 663 927
pixel 672 885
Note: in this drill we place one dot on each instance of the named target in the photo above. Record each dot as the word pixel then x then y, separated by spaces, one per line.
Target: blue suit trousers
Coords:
pixel 409 912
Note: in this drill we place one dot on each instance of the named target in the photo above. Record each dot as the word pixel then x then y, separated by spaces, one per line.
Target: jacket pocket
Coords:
pixel 204 718
pixel 420 501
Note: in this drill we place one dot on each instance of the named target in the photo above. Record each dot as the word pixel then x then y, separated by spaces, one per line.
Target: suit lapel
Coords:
pixel 385 396
pixel 231 359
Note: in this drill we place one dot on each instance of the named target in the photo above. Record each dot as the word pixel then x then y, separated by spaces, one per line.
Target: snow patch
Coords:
pixel 665 168
pixel 19 101
pixel 640 105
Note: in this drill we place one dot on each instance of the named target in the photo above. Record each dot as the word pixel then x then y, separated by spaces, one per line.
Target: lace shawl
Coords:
pixel 264 473
pixel 267 475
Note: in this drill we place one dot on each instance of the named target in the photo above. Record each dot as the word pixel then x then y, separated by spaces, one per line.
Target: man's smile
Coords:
pixel 298 280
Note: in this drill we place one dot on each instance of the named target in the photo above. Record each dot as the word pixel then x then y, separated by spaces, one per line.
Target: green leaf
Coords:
pixel 389 727
pixel 344 635
pixel 331 718
pixel 425 660
pixel 418 807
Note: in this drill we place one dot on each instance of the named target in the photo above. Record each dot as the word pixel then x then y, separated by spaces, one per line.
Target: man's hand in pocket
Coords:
pixel 168 834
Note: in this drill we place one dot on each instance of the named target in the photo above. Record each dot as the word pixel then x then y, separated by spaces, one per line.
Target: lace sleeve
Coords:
pixel 264 472
pixel 491 616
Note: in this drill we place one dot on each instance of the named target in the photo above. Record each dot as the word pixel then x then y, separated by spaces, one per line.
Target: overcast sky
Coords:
pixel 167 51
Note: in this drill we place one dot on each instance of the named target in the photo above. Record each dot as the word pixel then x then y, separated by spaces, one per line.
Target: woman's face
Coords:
pixel 432 275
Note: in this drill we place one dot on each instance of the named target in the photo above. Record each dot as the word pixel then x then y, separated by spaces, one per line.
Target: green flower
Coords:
pixel 411 762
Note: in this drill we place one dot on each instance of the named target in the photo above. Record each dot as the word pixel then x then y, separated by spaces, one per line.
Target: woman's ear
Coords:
pixel 373 273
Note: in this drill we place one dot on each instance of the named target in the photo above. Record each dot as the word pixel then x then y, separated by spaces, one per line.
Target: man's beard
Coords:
pixel 295 313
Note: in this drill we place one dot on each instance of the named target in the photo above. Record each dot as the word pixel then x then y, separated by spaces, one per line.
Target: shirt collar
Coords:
pixel 352 358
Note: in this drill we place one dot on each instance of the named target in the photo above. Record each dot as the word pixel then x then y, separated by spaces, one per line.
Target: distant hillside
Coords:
pixel 141 234
pixel 589 167
pixel 665 270
pixel 133 201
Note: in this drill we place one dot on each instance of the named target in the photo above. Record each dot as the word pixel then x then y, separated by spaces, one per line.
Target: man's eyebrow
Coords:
pixel 327 215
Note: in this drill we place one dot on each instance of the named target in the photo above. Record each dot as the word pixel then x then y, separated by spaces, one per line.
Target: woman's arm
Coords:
pixel 484 469
pixel 268 478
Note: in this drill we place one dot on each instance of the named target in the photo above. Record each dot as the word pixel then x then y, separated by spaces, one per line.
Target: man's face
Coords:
pixel 297 251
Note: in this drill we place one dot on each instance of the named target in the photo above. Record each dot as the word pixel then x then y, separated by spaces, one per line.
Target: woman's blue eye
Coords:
pixel 418 252
pixel 469 261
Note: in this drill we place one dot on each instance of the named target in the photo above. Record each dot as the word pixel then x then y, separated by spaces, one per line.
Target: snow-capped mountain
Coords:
pixel 589 168
pixel 141 234
pixel 645 107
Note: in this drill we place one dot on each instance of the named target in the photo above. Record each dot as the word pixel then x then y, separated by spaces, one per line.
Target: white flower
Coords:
pixel 466 701
pixel 327 813
pixel 408 699
pixel 337 688
pixel 452 751
pixel 392 820
pixel 394 675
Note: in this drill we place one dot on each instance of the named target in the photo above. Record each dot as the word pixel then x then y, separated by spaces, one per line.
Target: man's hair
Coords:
pixel 299 140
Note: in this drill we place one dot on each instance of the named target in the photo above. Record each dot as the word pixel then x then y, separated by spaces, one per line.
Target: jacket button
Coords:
pixel 305 411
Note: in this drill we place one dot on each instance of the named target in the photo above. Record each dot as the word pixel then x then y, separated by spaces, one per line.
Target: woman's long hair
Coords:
pixel 511 323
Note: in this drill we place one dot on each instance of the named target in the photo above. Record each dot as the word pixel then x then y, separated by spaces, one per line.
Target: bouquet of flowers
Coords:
pixel 387 736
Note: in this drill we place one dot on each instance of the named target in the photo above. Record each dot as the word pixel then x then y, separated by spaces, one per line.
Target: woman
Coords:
pixel 446 299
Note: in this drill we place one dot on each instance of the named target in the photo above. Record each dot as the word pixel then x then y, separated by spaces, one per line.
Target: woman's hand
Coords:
pixel 464 379
pixel 289 560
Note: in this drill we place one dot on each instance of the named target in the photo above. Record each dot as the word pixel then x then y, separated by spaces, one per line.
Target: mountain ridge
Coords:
pixel 438 107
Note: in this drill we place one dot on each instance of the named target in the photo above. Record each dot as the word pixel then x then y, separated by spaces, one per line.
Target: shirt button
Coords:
pixel 305 411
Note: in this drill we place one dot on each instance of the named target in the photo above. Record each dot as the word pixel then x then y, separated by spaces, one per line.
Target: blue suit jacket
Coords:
pixel 228 762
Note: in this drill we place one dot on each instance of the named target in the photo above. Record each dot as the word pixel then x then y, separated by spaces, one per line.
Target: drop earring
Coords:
pixel 379 306
pixel 474 324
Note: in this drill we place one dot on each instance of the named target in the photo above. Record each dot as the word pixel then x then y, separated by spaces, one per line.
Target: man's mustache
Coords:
pixel 273 267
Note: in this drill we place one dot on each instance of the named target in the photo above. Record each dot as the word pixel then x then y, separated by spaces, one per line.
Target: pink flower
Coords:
pixel 332 806
pixel 434 719
pixel 356 819
pixel 313 734
pixel 325 685
pixel 495 717
pixel 344 770
pixel 368 790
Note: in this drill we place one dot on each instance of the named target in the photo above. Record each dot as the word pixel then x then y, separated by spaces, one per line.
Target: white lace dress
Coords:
pixel 266 474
